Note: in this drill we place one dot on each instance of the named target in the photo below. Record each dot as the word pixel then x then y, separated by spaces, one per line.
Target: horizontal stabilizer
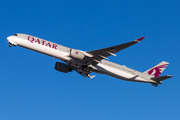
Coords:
pixel 161 78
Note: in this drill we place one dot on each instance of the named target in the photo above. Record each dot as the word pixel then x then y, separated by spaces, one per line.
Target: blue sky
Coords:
pixel 31 89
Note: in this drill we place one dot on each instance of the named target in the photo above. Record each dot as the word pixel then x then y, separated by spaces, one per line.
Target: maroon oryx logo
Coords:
pixel 156 71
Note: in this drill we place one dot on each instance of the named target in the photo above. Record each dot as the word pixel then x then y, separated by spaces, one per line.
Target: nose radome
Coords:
pixel 9 38
pixel 11 41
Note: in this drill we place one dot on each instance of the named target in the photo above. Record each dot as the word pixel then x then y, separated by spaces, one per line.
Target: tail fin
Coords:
pixel 157 70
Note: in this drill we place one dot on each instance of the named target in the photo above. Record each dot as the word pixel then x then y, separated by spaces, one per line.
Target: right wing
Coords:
pixel 100 54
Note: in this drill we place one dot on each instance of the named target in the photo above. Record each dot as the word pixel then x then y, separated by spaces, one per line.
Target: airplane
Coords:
pixel 86 62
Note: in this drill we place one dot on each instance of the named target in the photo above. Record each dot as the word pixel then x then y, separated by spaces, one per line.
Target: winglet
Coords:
pixel 141 38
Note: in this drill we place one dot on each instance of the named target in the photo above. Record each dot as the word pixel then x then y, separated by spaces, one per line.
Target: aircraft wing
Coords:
pixel 100 54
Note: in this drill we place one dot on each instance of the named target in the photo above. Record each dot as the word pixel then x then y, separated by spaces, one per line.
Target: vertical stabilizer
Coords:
pixel 157 70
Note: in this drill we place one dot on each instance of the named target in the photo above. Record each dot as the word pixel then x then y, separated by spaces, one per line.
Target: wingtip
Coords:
pixel 141 38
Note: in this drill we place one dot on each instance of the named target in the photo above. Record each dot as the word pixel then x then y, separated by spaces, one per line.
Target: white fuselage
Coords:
pixel 63 53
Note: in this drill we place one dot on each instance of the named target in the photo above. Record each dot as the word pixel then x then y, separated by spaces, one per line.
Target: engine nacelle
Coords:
pixel 77 54
pixel 62 67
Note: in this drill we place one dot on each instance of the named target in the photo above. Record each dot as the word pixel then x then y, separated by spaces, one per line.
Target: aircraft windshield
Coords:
pixel 15 35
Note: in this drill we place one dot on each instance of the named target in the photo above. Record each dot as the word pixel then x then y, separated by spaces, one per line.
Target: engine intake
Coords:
pixel 77 54
pixel 62 67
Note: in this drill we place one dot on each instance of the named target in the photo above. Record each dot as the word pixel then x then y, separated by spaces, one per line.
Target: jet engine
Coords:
pixel 77 54
pixel 62 67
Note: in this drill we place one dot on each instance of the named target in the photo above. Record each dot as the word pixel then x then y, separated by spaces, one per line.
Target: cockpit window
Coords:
pixel 15 35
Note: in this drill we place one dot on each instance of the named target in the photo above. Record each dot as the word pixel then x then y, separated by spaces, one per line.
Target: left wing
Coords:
pixel 100 54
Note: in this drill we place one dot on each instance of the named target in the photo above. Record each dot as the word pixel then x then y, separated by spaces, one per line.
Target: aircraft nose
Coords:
pixel 9 38
pixel 11 41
